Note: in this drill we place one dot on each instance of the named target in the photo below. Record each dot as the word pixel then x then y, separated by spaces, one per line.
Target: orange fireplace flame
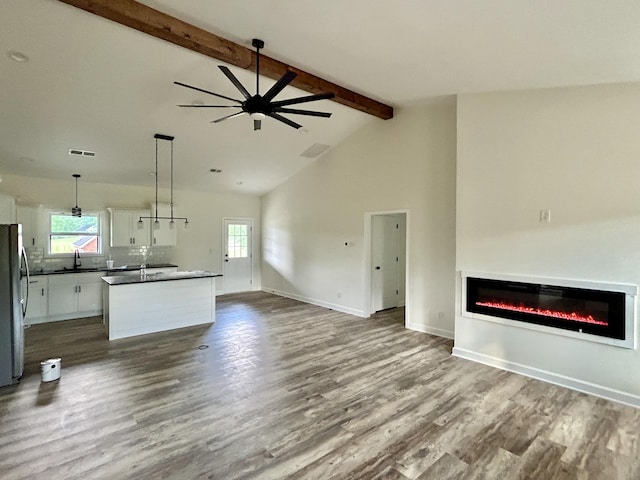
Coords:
pixel 573 316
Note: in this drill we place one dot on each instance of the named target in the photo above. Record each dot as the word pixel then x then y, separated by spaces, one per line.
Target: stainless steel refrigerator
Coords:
pixel 13 303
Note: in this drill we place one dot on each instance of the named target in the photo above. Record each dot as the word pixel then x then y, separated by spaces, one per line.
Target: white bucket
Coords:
pixel 50 369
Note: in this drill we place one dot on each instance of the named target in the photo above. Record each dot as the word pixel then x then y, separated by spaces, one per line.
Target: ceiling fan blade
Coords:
pixel 211 106
pixel 284 120
pixel 309 98
pixel 295 111
pixel 228 117
pixel 279 85
pixel 235 81
pixel 257 125
pixel 206 91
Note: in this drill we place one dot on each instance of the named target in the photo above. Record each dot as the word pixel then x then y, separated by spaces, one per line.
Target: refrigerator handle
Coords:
pixel 25 301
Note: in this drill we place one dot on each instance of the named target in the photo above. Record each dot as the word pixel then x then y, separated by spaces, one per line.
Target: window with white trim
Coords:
pixel 68 234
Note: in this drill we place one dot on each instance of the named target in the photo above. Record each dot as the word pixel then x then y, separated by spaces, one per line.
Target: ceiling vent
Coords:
pixel 81 153
pixel 315 150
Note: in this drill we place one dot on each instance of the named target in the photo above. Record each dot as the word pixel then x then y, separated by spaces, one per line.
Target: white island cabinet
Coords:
pixel 135 305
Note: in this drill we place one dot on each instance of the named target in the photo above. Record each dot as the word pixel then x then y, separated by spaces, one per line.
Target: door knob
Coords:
pixel 377 267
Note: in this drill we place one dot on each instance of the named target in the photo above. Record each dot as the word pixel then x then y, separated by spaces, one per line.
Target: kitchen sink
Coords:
pixel 78 270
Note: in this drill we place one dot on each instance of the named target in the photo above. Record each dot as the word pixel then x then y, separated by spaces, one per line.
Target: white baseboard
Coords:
pixel 320 303
pixel 439 332
pixel 65 316
pixel 550 377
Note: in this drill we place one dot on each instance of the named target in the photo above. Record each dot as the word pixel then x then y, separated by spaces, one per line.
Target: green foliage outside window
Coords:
pixel 68 234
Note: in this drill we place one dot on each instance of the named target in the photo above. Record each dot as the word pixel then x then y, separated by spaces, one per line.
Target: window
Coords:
pixel 237 241
pixel 69 234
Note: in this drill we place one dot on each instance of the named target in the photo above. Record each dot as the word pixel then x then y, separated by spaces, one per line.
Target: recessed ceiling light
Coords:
pixel 239 182
pixel 27 159
pixel 17 56
pixel 215 170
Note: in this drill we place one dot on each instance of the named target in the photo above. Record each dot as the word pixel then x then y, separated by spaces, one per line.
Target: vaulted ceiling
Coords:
pixel 94 84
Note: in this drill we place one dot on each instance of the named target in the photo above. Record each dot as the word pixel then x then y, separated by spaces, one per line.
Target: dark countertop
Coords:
pixel 158 277
pixel 124 268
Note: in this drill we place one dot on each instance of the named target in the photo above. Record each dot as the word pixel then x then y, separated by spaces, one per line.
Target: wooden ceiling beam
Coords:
pixel 160 25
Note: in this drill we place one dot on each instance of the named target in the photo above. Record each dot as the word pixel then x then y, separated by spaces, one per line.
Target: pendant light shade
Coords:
pixel 76 211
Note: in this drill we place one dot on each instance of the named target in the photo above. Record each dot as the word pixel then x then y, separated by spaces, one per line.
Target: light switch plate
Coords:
pixel 545 215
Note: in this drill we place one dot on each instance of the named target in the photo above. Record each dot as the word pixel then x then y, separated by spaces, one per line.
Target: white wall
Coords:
pixel 404 163
pixel 198 248
pixel 575 151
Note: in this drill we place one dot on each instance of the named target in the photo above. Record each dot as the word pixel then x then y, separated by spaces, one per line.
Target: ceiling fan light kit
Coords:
pixel 261 106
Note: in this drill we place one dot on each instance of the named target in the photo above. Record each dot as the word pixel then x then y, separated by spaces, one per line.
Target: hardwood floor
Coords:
pixel 280 389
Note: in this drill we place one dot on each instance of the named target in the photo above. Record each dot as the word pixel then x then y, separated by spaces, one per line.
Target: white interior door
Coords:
pixel 385 257
pixel 237 255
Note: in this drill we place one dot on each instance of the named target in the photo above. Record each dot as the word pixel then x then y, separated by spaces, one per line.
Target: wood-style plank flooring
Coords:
pixel 280 389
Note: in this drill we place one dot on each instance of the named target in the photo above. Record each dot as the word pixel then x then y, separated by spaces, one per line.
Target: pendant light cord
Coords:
pixel 159 136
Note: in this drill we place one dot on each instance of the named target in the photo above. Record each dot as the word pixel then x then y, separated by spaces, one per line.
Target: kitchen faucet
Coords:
pixel 76 260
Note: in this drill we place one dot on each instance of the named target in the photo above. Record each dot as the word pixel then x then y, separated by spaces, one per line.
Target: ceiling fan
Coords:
pixel 261 106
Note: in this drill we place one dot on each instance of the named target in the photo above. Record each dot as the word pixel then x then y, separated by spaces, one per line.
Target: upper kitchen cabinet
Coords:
pixel 164 235
pixel 125 231
pixel 7 209
pixel 31 218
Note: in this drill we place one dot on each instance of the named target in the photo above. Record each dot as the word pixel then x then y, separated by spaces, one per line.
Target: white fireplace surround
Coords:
pixel 630 291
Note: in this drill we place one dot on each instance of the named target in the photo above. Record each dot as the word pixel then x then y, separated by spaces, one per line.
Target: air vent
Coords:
pixel 215 170
pixel 81 153
pixel 314 150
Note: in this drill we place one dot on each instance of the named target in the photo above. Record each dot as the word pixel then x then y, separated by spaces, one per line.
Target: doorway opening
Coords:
pixel 237 265
pixel 386 266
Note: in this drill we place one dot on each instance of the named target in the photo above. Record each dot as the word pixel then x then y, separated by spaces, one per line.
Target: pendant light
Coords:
pixel 76 211
pixel 156 219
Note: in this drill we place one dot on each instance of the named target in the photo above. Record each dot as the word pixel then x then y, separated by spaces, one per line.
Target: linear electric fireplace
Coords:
pixel 604 312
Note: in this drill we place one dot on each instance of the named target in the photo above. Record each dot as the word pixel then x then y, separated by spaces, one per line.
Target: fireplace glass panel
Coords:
pixel 583 310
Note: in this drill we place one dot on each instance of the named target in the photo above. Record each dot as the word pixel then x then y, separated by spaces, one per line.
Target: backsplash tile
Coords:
pixel 120 255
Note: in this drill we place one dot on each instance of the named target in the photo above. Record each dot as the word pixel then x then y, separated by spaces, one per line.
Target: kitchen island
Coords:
pixel 141 304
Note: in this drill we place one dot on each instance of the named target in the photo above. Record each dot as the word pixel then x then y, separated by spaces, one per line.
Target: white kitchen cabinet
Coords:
pixel 63 291
pixel 37 308
pixel 74 295
pixel 7 209
pixel 32 219
pixel 124 228
pixel 163 236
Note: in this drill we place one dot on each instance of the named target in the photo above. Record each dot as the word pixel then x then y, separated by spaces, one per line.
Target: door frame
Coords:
pixel 368 262
pixel 223 251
